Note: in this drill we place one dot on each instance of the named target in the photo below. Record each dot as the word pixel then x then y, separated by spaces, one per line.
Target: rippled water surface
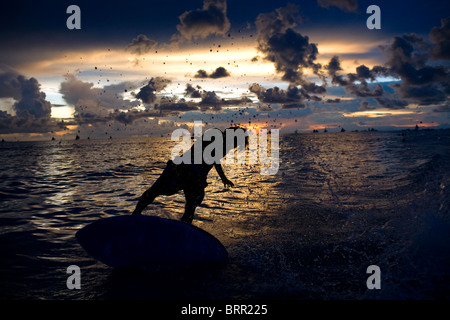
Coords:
pixel 339 203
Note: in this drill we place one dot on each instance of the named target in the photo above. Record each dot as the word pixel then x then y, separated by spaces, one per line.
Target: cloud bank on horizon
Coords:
pixel 310 88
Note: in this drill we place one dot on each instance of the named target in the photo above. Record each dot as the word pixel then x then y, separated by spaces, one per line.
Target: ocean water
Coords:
pixel 339 203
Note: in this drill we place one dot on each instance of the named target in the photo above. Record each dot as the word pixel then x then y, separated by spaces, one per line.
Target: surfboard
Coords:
pixel 150 243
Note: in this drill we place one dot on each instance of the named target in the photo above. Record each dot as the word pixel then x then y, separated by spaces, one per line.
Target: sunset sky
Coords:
pixel 147 68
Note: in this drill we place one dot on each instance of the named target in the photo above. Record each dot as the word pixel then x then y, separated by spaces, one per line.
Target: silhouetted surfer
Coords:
pixel 189 177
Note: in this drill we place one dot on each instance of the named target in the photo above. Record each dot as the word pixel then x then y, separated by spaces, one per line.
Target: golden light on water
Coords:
pixel 255 127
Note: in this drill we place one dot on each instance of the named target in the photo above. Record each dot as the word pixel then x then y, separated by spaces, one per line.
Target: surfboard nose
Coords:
pixel 148 242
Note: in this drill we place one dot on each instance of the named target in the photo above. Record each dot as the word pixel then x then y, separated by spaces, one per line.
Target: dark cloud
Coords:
pixel 10 85
pixel 200 23
pixel 423 82
pixel 365 105
pixel 171 104
pixel 33 101
pixel 220 72
pixel 192 92
pixel 201 74
pixel 364 89
pixel 127 117
pixel 290 51
pixel 336 100
pixel 276 95
pixel 112 96
pixel 32 110
pixel 76 91
pixel 124 117
pixel 276 22
pixel 440 37
pixel 311 87
pixel 297 105
pixel 346 5
pixel 409 56
pixel 211 101
pixel 356 83
pixel 443 108
pixel 333 67
pixel 93 104
pixel 30 100
pixel 107 104
pixel 166 107
pixel 364 72
pixel 408 59
pixel 292 97
pixel 30 124
pixel 391 102
pixel 424 95
pixel 141 45
pixel 147 94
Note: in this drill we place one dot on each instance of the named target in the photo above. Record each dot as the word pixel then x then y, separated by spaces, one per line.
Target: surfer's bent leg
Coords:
pixel 146 198
pixel 167 184
pixel 193 199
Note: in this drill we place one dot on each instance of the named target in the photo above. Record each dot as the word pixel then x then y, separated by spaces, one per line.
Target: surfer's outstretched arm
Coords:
pixel 222 175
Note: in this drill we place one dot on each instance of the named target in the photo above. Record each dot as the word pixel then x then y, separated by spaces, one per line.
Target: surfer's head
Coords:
pixel 230 138
pixel 234 137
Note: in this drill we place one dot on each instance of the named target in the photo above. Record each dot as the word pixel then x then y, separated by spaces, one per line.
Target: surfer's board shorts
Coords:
pixel 176 177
